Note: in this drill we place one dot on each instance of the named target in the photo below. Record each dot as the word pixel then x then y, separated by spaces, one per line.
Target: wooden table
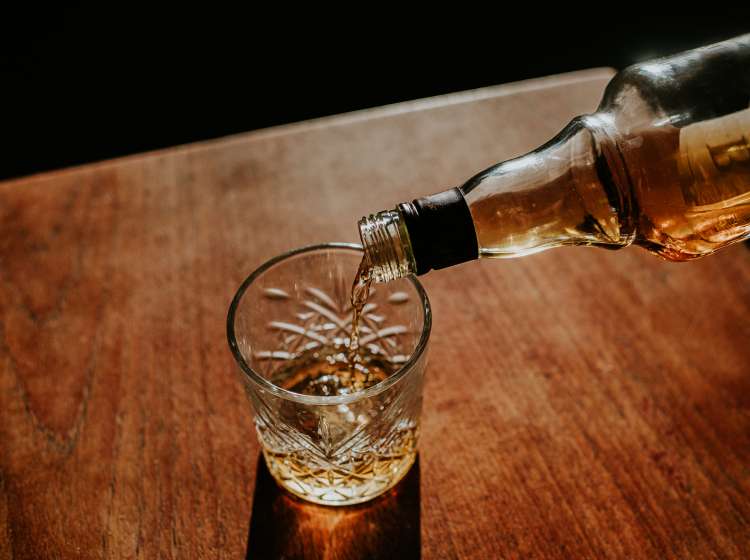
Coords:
pixel 580 403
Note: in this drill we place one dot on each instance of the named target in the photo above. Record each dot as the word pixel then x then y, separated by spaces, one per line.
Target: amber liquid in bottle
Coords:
pixel 700 201
pixel 689 189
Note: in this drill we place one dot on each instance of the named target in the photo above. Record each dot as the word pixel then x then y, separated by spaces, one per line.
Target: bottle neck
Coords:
pixel 571 191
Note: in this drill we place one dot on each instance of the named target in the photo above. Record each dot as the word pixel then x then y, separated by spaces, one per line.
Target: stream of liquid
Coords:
pixel 360 294
pixel 336 369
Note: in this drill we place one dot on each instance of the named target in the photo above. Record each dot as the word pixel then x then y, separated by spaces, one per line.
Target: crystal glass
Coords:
pixel 344 448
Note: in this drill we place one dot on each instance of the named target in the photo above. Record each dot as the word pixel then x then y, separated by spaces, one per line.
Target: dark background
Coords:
pixel 84 83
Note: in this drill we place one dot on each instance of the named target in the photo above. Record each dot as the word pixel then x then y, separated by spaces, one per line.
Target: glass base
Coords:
pixel 339 486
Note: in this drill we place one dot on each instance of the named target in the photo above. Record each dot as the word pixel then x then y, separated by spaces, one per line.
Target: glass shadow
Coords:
pixel 282 526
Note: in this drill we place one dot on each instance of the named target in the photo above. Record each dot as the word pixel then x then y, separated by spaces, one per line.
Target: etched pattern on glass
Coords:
pixel 322 323
pixel 340 453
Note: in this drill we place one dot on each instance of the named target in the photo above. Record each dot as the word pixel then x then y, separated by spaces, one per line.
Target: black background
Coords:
pixel 86 82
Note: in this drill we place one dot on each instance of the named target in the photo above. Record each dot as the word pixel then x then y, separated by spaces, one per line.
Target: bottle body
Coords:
pixel 683 134
pixel 664 163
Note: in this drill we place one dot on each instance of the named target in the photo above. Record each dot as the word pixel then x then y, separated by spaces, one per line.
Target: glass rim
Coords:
pixel 264 383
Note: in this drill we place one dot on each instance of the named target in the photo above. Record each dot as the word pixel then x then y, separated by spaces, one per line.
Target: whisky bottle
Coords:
pixel 664 163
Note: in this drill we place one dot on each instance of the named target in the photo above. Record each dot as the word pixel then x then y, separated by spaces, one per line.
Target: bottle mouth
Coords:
pixel 427 233
pixel 386 244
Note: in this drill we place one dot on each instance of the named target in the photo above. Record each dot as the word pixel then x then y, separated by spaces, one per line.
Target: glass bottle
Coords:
pixel 664 163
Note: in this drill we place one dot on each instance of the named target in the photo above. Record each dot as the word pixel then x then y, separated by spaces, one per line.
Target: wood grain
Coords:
pixel 579 404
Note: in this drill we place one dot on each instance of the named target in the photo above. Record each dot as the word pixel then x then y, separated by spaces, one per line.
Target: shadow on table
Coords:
pixel 282 526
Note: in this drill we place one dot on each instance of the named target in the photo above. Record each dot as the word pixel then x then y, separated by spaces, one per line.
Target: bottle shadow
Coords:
pixel 282 526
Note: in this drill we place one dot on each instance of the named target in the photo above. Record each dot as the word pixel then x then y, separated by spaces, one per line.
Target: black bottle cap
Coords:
pixel 440 229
